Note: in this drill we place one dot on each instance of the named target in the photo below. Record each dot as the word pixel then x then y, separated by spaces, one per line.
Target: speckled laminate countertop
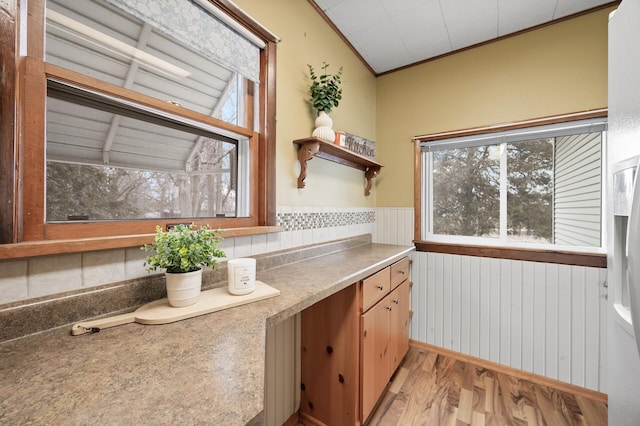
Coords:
pixel 204 370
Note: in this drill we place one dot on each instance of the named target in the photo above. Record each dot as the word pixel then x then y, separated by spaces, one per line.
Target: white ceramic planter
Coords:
pixel 183 289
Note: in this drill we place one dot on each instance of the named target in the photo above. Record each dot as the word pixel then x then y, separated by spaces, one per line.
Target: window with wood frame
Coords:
pixel 515 191
pixel 145 113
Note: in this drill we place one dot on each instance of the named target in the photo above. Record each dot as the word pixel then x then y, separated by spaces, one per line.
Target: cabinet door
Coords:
pixel 399 326
pixel 329 357
pixel 374 354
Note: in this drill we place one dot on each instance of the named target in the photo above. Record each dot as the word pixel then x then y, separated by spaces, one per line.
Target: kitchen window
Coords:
pixel 533 187
pixel 144 113
pixel 152 169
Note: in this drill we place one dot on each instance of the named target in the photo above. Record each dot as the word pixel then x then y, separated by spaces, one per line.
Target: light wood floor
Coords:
pixel 435 389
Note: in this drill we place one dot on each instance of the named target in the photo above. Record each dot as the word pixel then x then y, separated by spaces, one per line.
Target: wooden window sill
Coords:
pixel 79 245
pixel 596 260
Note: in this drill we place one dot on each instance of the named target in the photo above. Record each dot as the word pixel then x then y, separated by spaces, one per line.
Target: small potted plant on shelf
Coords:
pixel 326 95
pixel 183 251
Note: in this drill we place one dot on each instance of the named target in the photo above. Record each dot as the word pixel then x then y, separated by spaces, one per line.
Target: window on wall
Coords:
pixel 111 160
pixel 538 186
pixel 145 113
pixel 151 168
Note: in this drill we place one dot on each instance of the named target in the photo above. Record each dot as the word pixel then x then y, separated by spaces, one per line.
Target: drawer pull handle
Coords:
pixel 381 287
pixel 396 301
pixel 402 272
pixel 389 308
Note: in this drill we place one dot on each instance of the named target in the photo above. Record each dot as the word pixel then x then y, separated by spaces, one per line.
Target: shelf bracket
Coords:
pixel 370 173
pixel 306 152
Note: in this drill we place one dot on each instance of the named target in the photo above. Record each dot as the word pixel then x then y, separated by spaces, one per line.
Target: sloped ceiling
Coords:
pixel 390 34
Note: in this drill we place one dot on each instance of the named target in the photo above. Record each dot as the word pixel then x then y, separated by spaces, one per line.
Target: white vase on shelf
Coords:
pixel 323 128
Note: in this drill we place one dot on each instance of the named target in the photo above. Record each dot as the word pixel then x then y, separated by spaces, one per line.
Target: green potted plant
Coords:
pixel 326 95
pixel 183 251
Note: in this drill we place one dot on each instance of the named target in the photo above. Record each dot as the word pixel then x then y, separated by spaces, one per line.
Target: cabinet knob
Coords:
pixel 381 287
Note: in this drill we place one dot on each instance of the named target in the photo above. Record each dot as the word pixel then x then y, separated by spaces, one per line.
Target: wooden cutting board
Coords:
pixel 160 312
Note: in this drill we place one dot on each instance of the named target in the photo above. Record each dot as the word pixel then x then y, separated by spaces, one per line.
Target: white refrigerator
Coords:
pixel 623 215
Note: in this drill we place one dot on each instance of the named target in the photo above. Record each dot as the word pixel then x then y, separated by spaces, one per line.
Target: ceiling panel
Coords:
pixel 356 15
pixel 514 15
pixel 470 22
pixel 369 40
pixel 394 7
pixel 568 7
pixel 428 39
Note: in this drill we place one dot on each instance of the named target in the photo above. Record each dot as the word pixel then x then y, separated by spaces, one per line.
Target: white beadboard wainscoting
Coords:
pixel 282 371
pixel 543 318
pixel 394 226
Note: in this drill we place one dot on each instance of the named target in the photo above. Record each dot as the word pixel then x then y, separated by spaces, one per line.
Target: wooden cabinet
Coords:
pixel 352 343
pixel 399 326
pixel 400 313
pixel 374 355
pixel 384 342
pixel 330 374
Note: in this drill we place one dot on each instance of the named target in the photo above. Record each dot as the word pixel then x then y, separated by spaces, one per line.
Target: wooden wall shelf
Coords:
pixel 314 147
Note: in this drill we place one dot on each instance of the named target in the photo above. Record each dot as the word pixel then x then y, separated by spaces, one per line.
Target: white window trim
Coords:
pixel 503 138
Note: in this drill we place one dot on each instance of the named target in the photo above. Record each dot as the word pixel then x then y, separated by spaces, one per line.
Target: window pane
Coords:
pixel 466 191
pixel 578 190
pixel 530 191
pixel 94 38
pixel 105 166
pixel 231 103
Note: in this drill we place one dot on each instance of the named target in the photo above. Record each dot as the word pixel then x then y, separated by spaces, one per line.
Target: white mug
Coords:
pixel 242 275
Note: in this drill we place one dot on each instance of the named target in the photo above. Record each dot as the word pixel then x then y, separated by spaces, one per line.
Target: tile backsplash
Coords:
pixel 25 279
pixel 297 221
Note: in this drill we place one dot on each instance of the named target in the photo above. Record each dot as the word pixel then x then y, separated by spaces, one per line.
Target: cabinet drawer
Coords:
pixel 399 272
pixel 375 288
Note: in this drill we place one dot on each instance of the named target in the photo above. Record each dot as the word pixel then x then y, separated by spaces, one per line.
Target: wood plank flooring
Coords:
pixel 434 389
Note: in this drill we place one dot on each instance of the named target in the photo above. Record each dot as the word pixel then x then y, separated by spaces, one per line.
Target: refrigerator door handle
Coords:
pixel 633 260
